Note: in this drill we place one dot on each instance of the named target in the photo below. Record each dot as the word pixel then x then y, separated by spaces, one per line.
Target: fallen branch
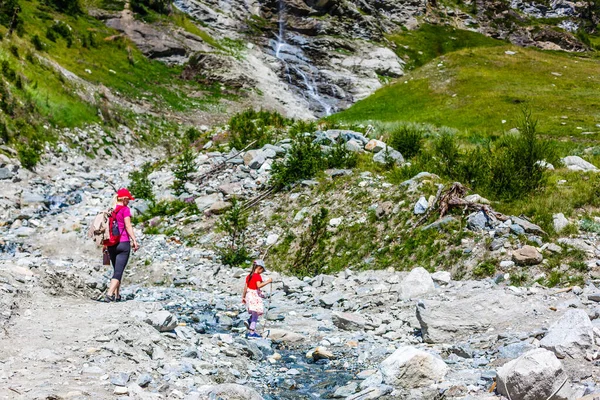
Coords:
pixel 564 290
pixel 221 165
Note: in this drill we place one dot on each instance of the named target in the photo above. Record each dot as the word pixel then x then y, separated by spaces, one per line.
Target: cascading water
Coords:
pixel 290 55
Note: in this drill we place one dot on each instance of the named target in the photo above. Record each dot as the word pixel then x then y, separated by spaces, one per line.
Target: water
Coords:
pixel 315 380
pixel 287 53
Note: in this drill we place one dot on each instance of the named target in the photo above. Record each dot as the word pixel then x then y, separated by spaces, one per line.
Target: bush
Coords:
pixel 303 161
pixel 37 43
pixel 309 257
pixel 340 157
pixel 186 165
pixel 408 140
pixel 8 8
pixel 486 268
pixel 234 222
pixel 144 7
pixel 447 152
pixel 29 154
pixel 8 72
pixel 515 169
pixel 254 126
pixel 192 134
pixel 71 7
pixel 140 185
pixel 14 50
pixel 60 28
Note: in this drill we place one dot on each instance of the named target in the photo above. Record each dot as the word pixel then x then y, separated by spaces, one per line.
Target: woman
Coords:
pixel 119 254
pixel 252 296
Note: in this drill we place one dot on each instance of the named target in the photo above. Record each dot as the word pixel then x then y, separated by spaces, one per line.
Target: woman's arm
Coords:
pixel 129 229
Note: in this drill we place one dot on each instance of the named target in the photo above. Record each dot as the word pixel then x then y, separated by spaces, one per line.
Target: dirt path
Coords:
pixel 60 346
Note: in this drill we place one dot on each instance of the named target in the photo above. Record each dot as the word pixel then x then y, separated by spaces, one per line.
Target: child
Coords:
pixel 252 296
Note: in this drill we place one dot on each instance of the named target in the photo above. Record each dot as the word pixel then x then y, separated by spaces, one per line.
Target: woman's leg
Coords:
pixel 112 252
pixel 121 259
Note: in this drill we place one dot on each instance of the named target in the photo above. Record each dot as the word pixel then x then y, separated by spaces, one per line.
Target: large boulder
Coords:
pixel 571 335
pixel 281 335
pixel 460 318
pixel 536 375
pixel 375 146
pixel 410 367
pixel 388 156
pixel 560 222
pixel 162 321
pixel 417 283
pixel 576 163
pixel 527 255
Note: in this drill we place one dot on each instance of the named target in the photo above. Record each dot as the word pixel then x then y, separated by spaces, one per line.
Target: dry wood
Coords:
pixel 454 198
pixel 564 290
pixel 221 165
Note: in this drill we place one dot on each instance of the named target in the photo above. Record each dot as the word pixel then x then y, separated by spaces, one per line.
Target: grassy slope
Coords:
pixel 476 88
pixel 113 62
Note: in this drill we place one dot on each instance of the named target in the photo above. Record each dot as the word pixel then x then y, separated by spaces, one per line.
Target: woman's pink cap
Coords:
pixel 124 193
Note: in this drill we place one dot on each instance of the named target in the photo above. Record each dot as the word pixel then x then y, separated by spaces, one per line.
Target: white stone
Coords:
pixel 576 163
pixel 335 222
pixel 417 283
pixel 205 202
pixel 571 335
pixel 421 206
pixel 272 239
pixel 410 367
pixel 507 264
pixel 441 277
pixel 559 222
pixel 536 375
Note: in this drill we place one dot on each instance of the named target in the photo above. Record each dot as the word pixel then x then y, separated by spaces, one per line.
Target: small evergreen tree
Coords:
pixel 140 185
pixel 185 167
pixel 234 222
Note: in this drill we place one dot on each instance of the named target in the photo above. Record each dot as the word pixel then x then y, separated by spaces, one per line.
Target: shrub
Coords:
pixel 340 157
pixel 37 43
pixel 140 185
pixel 301 127
pixel 486 268
pixel 308 260
pixel 60 28
pixel 303 161
pixel 186 165
pixel 192 134
pixel 234 222
pixel 408 140
pixel 144 7
pixel 8 71
pixel 8 8
pixel 447 152
pixel 71 7
pixel 14 50
pixel 515 169
pixel 254 126
pixel 29 154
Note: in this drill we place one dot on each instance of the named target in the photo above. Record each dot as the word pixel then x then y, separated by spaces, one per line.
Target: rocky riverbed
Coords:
pixel 358 334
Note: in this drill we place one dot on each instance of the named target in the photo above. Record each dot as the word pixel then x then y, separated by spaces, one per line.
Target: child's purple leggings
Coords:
pixel 253 320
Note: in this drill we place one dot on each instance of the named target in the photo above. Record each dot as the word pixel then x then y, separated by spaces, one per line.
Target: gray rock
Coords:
pixel 390 155
pixel 517 229
pixel 144 380
pixel 421 206
pixel 205 202
pixel 348 321
pixel 417 283
pixel 514 350
pixel 497 244
pixel 441 277
pixel 257 161
pixel 594 297
pixel 528 226
pixel 440 223
pixel 331 299
pixel 353 146
pixel 477 221
pixel 571 335
pixel 375 146
pixel 6 173
pixel 162 321
pixel 282 335
pixel 372 393
pixel 119 379
pixel 536 375
pixel 410 367
pixel 345 391
pixel 554 248
pixel 226 391
pixel 559 222
pixel 576 163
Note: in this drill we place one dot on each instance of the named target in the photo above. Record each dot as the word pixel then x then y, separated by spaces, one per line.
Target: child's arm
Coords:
pixel 263 283
pixel 244 294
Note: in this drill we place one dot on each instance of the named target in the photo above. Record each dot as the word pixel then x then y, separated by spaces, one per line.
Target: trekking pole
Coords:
pixel 267 311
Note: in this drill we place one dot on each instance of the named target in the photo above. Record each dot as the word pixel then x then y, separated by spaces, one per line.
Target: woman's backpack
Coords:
pixel 105 228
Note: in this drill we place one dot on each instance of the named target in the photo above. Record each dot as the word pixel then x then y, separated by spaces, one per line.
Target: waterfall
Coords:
pixel 284 50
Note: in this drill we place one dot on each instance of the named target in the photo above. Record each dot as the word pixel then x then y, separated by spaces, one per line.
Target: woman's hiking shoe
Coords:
pixel 119 298
pixel 106 299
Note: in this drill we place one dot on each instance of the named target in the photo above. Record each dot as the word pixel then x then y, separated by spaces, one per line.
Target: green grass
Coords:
pixel 430 41
pixel 476 89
